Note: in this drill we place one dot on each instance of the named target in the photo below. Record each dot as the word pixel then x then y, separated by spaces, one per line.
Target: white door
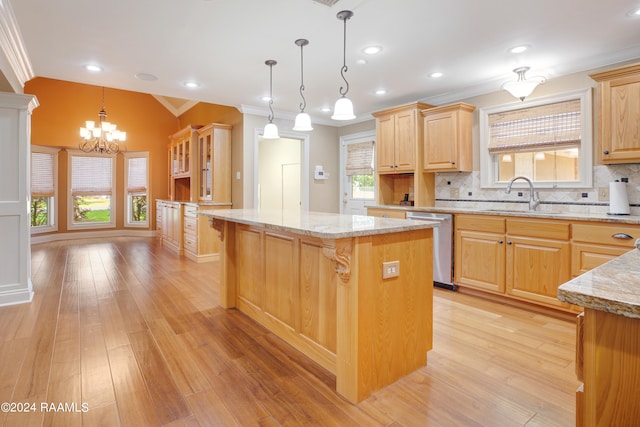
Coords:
pixel 279 174
pixel 357 185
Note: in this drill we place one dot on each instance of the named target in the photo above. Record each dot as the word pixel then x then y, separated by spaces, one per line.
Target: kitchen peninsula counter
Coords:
pixel 316 280
pixel 608 341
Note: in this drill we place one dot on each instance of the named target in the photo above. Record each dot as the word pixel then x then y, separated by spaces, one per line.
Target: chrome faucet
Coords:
pixel 534 200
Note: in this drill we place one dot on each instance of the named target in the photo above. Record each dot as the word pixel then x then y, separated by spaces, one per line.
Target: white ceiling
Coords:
pixel 223 44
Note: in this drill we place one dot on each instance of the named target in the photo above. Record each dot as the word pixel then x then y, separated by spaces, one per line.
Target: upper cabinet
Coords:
pixel 447 138
pixel 214 165
pixel 619 115
pixel 398 131
pixel 200 164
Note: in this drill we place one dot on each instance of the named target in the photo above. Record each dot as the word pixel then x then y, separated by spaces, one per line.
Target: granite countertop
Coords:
pixel 201 203
pixel 569 216
pixel 318 224
pixel 613 287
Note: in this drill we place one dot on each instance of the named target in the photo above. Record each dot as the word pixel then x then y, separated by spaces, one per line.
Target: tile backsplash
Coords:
pixel 462 190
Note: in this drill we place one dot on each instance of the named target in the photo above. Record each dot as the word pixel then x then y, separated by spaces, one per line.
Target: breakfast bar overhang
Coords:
pixel 316 280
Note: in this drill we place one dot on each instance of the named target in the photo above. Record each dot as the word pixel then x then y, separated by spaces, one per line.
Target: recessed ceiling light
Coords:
pixel 372 50
pixel 93 68
pixel 325 109
pixel 519 49
pixel 381 92
pixel 436 75
pixel 192 84
pixel 634 13
pixel 361 61
pixel 146 77
pixel 266 98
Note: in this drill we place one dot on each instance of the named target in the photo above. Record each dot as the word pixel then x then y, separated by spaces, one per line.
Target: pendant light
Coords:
pixel 343 109
pixel 522 87
pixel 270 130
pixel 303 121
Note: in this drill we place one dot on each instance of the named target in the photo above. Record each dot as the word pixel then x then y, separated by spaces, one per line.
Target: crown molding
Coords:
pixel 14 61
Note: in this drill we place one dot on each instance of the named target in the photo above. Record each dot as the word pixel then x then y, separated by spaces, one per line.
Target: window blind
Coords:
pixel 42 176
pixel 537 128
pixel 359 158
pixel 137 175
pixel 91 175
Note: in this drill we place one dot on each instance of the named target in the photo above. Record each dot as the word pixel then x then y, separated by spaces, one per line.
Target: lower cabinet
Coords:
pixel 594 244
pixel 172 226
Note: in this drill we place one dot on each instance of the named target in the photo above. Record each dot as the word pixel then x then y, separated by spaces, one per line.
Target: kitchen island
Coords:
pixel 608 341
pixel 316 280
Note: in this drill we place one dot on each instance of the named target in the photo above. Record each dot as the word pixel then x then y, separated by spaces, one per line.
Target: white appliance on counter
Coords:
pixel 442 247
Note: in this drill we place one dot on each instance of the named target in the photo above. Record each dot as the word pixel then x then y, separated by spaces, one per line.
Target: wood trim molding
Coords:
pixel 339 252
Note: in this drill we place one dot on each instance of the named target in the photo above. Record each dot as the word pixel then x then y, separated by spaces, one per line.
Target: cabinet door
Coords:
pixel 620 126
pixel 385 135
pixel 480 260
pixel 585 257
pixel 441 141
pixel 405 141
pixel 536 267
pixel 205 151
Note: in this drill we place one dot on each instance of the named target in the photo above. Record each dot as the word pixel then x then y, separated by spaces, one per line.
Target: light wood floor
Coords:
pixel 135 334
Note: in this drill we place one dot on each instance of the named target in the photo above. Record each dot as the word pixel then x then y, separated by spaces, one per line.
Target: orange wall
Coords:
pixel 65 106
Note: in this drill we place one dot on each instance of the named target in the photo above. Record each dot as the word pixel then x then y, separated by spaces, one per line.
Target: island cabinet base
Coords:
pixel 327 298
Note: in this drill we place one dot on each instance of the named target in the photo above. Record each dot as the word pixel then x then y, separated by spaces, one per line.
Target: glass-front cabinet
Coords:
pixel 214 154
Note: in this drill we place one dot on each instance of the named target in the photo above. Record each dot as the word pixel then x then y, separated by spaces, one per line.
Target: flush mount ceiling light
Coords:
pixel 303 121
pixel 343 109
pixel 102 138
pixel 522 87
pixel 270 130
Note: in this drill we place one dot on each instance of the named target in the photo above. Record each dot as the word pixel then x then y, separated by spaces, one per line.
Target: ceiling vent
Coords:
pixel 327 2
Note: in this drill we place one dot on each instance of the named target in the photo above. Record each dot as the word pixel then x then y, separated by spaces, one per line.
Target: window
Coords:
pixel 359 170
pixel 548 141
pixel 44 189
pixel 136 189
pixel 92 184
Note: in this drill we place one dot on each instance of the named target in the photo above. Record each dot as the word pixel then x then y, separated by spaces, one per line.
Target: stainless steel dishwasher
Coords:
pixel 442 247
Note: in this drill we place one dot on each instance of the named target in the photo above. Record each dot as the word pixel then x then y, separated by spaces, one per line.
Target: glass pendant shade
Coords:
pixel 522 87
pixel 303 122
pixel 270 131
pixel 343 109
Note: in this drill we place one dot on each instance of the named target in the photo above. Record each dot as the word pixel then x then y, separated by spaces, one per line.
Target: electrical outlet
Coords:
pixel 603 194
pixel 390 269
pixel 455 193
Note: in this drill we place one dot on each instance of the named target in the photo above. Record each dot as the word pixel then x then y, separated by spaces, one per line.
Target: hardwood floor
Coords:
pixel 123 328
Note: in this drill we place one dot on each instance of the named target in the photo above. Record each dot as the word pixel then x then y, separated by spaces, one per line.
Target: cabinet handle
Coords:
pixel 453 163
pixel 621 236
pixel 509 243
pixel 501 241
pixel 606 151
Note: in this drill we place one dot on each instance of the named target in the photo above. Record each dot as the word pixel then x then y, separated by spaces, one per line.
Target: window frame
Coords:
pixel 489 163
pixel 112 216
pixel 53 200
pixel 127 196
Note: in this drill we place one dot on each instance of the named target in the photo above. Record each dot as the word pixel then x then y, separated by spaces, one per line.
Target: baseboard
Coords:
pixel 91 235
pixel 15 297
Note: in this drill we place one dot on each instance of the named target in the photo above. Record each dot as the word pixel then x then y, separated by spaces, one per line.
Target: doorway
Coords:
pixel 279 183
pixel 357 174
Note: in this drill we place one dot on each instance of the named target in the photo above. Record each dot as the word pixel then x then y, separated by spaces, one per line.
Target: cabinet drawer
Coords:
pixel 606 234
pixel 190 243
pixel 190 211
pixel 480 223
pixel 535 228
pixel 387 213
pixel 190 225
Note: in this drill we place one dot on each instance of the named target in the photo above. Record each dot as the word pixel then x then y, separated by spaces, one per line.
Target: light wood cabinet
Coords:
pixel 159 205
pixel 399 157
pixel 398 131
pixel 171 227
pixel 387 213
pixel 609 347
pixel 182 185
pixel 594 244
pixel 201 241
pixel 538 260
pixel 618 109
pixel 480 252
pixel 214 163
pixel 447 143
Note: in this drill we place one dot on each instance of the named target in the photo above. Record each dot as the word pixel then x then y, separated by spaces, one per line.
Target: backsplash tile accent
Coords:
pixel 552 200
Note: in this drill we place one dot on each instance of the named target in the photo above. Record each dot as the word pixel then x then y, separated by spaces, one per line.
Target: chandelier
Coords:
pixel 102 138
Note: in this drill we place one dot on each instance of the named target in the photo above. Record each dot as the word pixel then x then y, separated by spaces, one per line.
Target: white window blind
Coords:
pixel 543 127
pixel 359 159
pixel 137 175
pixel 42 175
pixel 91 175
